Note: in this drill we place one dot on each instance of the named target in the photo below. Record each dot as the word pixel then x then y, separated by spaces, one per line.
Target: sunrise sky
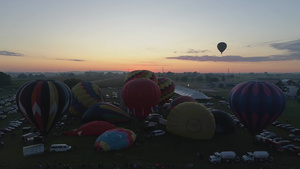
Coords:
pixel 157 35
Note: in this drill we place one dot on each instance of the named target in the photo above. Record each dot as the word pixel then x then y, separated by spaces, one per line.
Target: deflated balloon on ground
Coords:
pixel 94 128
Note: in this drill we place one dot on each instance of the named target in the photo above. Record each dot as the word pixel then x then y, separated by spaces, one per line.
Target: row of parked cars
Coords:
pixel 231 156
pixel 288 127
pixel 10 127
pixel 277 143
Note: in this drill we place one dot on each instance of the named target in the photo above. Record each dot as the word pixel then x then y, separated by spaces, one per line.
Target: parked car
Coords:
pixel 293 137
pixel 157 133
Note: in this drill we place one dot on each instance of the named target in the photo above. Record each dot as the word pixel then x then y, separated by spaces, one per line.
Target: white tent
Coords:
pixel 183 91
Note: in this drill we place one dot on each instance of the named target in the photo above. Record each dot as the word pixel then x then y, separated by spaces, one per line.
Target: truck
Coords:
pixel 224 156
pixel 33 150
pixel 257 156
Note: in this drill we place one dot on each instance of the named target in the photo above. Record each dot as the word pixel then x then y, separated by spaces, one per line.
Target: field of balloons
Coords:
pixel 115 129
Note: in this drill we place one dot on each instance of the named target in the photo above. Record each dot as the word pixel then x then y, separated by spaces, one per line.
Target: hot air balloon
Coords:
pixel 222 46
pixel 147 74
pixel 224 122
pixel 180 99
pixel 167 88
pixel 105 112
pixel 85 95
pixel 43 103
pixel 141 96
pixel 115 139
pixel 191 120
pixel 256 104
pixel 94 128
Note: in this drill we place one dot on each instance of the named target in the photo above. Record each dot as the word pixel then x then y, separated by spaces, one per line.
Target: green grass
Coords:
pixel 165 150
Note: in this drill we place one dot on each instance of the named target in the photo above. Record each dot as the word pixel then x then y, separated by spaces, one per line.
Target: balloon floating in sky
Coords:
pixel 167 88
pixel 191 120
pixel 94 128
pixel 43 103
pixel 141 96
pixel 256 104
pixel 85 95
pixel 222 46
pixel 105 112
pixel 147 74
pixel 115 139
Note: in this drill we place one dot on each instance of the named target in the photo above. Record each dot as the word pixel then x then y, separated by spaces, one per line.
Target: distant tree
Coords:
pixel 184 79
pixel 72 82
pixel 298 94
pixel 71 75
pixel 22 75
pixel 5 79
pixel 199 79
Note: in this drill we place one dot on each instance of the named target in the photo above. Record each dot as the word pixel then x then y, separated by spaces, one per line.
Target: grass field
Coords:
pixel 166 150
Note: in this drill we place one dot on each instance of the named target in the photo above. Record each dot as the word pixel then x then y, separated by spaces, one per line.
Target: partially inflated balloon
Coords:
pixel 191 120
pixel 180 99
pixel 141 96
pixel 105 112
pixel 43 103
pixel 167 88
pixel 222 46
pixel 147 74
pixel 115 139
pixel 85 95
pixel 224 122
pixel 94 128
pixel 256 104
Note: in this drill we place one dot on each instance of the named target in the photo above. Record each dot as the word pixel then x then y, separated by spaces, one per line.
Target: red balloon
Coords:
pixel 140 96
pixel 94 128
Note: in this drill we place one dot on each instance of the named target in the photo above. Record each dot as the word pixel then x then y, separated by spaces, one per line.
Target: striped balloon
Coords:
pixel 141 74
pixel 43 103
pixel 256 104
pixel 84 95
pixel 167 88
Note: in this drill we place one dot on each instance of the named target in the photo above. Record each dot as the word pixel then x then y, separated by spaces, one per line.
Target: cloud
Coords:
pixel 293 48
pixel 196 51
pixel 74 60
pixel 7 53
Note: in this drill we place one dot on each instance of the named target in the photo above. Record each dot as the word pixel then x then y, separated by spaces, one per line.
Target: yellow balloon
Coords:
pixel 191 120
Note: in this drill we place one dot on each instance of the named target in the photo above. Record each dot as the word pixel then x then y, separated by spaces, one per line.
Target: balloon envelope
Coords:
pixel 141 96
pixel 147 74
pixel 105 112
pixel 191 120
pixel 85 95
pixel 256 104
pixel 180 99
pixel 43 103
pixel 94 128
pixel 222 46
pixel 224 122
pixel 115 139
pixel 167 88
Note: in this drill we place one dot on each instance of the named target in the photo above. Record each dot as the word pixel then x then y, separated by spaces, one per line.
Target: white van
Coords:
pixel 59 147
